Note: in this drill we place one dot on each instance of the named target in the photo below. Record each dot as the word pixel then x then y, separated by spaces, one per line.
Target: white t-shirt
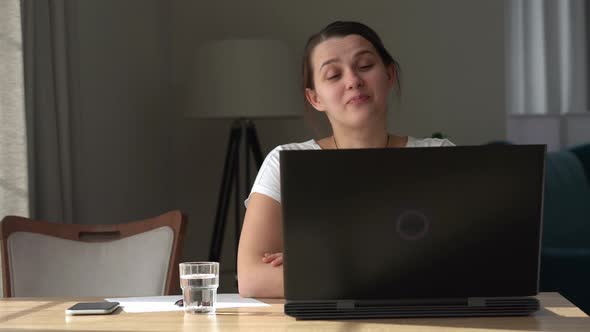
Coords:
pixel 268 179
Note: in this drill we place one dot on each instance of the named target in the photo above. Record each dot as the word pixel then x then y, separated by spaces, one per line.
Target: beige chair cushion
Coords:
pixel 42 265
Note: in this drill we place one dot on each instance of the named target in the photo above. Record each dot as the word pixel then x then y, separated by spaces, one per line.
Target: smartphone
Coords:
pixel 92 308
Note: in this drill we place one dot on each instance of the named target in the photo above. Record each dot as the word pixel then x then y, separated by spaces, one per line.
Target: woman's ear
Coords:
pixel 313 98
pixel 391 75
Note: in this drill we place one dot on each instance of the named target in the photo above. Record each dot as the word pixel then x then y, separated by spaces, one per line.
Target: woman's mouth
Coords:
pixel 359 99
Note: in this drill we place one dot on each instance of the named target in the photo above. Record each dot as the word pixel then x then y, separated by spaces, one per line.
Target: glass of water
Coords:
pixel 199 282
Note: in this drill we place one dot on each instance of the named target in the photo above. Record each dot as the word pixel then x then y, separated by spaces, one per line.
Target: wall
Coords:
pixel 123 168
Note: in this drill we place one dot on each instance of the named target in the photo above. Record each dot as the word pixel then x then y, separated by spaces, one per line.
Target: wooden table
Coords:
pixel 36 314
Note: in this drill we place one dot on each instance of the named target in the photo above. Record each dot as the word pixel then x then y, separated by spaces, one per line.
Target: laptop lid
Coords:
pixel 412 223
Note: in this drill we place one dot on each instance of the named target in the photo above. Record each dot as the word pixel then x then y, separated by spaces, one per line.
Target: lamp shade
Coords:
pixel 244 79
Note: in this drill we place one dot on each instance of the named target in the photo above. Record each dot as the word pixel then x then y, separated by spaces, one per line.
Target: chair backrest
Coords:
pixel 582 151
pixel 139 258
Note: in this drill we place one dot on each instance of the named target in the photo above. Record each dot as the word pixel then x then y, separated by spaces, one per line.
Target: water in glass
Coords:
pixel 200 292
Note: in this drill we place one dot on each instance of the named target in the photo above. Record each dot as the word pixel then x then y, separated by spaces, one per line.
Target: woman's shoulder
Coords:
pixel 307 145
pixel 273 155
pixel 427 142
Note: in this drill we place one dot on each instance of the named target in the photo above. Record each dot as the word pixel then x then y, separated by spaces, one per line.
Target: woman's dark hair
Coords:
pixel 343 29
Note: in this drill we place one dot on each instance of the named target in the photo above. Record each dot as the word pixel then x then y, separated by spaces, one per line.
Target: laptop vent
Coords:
pixel 352 310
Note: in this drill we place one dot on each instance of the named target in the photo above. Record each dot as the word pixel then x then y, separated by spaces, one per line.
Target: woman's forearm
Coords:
pixel 261 280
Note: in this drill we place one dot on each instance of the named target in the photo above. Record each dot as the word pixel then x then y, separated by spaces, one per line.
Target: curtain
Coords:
pixel 13 145
pixel 49 38
pixel 546 56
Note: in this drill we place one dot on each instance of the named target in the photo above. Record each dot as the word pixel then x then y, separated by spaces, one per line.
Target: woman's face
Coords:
pixel 351 83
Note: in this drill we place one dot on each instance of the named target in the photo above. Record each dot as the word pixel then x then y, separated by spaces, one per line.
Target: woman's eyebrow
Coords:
pixel 327 62
pixel 362 52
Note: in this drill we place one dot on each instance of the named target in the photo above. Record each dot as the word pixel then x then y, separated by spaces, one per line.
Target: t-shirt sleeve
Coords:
pixel 432 142
pixel 446 142
pixel 268 178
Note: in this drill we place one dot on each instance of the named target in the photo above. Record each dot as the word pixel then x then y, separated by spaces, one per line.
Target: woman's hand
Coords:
pixel 275 259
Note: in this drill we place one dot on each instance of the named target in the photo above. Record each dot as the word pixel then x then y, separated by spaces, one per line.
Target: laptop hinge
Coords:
pixel 476 302
pixel 345 304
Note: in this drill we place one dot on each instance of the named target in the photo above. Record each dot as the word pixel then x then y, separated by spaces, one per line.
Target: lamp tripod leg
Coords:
pixel 254 144
pixel 229 171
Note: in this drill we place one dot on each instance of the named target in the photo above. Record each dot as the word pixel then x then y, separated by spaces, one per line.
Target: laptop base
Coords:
pixel 473 307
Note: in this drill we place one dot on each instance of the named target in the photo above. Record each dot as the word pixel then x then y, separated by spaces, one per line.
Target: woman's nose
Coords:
pixel 354 80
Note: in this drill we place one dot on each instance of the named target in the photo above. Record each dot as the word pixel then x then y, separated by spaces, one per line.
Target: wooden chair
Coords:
pixel 45 259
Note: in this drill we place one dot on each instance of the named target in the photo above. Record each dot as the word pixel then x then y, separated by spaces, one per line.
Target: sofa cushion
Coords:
pixel 566 214
pixel 583 153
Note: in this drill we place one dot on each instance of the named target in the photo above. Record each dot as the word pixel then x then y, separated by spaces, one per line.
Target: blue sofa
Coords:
pixel 565 256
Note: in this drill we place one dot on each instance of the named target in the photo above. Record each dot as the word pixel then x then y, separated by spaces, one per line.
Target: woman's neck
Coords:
pixel 360 139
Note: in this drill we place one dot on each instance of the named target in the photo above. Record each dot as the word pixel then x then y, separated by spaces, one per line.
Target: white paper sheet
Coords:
pixel 166 303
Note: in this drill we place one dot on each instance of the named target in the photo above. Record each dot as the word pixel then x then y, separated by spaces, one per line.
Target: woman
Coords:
pixel 348 75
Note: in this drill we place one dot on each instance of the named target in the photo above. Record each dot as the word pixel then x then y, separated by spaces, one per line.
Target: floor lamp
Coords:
pixel 241 80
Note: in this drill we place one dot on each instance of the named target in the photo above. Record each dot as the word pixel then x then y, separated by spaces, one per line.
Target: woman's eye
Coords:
pixel 367 66
pixel 333 76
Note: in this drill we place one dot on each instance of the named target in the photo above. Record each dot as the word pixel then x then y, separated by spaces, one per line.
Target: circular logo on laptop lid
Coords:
pixel 412 225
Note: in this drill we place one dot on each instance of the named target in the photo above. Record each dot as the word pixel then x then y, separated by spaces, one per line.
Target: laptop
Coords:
pixel 412 232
